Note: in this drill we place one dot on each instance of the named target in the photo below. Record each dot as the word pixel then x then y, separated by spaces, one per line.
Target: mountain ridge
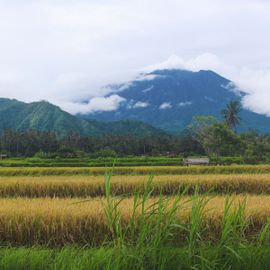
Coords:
pixel 44 116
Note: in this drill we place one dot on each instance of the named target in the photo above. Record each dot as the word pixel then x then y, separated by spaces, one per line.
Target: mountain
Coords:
pixel 44 116
pixel 168 99
pixel 157 102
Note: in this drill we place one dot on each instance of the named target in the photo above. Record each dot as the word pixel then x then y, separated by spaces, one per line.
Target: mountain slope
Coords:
pixel 168 99
pixel 44 116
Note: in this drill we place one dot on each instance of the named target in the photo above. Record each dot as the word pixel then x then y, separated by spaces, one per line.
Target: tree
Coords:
pixel 231 114
pixel 201 130
pixel 224 141
pixel 214 137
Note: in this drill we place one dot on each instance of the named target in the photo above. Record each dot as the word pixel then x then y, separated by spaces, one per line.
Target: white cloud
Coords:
pixel 148 89
pixel 147 77
pixel 96 104
pixel 141 104
pixel 257 85
pixel 184 104
pixel 165 106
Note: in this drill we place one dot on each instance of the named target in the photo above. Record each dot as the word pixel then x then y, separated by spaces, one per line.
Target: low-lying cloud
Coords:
pixel 140 104
pixel 165 106
pixel 184 104
pixel 96 104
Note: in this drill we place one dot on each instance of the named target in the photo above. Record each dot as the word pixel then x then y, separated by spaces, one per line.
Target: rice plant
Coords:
pixel 136 170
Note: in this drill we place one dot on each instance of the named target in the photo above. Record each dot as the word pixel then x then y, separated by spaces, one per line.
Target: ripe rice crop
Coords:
pixel 142 170
pixel 85 186
pixel 57 222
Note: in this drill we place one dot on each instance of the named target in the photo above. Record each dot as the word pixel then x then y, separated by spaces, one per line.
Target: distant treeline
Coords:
pixel 251 146
pixel 49 144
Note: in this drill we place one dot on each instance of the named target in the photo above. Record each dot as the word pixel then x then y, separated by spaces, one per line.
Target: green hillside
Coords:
pixel 44 116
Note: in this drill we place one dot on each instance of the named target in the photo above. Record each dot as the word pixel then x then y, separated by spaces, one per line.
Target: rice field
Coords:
pixel 140 170
pixel 93 186
pixel 189 217
pixel 60 222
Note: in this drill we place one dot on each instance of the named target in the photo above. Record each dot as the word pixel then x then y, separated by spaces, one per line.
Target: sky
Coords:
pixel 69 51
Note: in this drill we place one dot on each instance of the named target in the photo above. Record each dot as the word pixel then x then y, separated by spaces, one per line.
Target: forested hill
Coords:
pixel 168 99
pixel 44 116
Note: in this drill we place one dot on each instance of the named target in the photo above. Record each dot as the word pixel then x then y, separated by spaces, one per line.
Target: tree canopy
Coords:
pixel 231 114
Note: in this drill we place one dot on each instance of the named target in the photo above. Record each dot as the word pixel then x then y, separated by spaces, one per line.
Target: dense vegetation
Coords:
pixel 221 257
pixel 249 147
pixel 205 135
pixel 49 145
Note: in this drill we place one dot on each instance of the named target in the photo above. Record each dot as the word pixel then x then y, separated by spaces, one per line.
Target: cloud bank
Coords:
pixel 96 104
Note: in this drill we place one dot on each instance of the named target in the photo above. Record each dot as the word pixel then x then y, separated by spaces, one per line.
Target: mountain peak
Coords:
pixel 169 98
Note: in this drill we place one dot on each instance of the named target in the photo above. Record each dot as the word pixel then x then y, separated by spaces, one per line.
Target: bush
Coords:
pixel 229 160
pixel 106 152
pixel 66 152
pixel 41 155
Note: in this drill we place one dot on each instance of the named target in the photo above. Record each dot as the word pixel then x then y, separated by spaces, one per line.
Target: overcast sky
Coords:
pixel 65 51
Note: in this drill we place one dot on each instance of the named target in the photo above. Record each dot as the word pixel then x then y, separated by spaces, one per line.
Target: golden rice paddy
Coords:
pixel 25 221
pixel 69 209
pixel 84 186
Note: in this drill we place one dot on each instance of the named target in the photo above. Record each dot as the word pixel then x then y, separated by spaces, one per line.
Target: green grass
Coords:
pixel 245 258
pixel 139 170
pixel 91 162
pixel 104 161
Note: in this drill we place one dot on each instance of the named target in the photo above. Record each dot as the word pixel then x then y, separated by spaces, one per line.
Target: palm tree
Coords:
pixel 231 114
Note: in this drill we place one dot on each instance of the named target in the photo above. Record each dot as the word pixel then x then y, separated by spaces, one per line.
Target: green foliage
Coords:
pixel 206 136
pixel 106 152
pixel 201 129
pixel 41 155
pixel 214 137
pixel 248 257
pixel 231 114
pixel 65 152
pixel 45 117
pixel 28 143
pixel 94 160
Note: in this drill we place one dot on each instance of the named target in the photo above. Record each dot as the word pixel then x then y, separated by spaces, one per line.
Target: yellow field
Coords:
pixel 83 186
pixel 65 221
pixel 70 209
